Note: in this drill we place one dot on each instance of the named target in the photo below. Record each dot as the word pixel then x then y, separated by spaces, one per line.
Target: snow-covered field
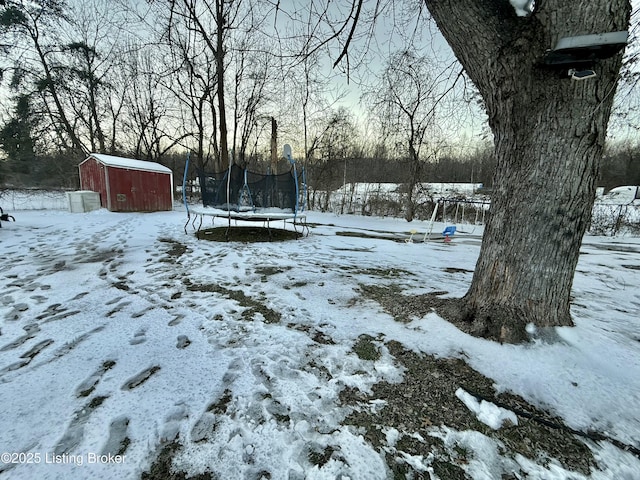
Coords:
pixel 119 333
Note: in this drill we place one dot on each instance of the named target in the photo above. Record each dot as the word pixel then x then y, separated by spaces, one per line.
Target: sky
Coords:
pixel 466 130
pixel 119 326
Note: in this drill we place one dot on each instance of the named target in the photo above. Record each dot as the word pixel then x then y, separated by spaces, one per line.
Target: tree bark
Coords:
pixel 220 53
pixel 274 146
pixel 51 84
pixel 549 134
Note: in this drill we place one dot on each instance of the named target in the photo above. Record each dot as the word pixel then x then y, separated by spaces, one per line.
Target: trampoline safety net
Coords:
pixel 240 190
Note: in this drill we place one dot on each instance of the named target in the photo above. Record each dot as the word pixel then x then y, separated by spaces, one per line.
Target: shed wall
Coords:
pixel 138 191
pixel 92 177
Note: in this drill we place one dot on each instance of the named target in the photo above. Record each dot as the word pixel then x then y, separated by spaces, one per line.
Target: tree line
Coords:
pixel 225 79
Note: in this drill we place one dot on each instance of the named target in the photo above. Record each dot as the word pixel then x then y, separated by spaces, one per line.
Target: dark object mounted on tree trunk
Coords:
pixel 577 55
pixel 586 49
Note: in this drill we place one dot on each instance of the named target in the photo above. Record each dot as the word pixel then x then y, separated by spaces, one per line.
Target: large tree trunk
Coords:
pixel 549 134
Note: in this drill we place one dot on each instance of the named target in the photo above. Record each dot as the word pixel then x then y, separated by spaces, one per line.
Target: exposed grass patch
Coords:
pixel 267 271
pixel 251 306
pixel 219 407
pixel 321 457
pixel 176 249
pixel 162 468
pixel 391 273
pixel 426 400
pixel 403 308
pixel 246 234
pixel 366 349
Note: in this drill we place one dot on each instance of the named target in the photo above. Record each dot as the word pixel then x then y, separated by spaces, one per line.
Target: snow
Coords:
pixel 272 213
pixel 488 413
pixel 522 7
pixel 129 163
pixel 109 331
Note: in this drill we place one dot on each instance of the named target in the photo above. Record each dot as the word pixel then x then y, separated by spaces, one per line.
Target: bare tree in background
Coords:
pixel 93 54
pixel 151 119
pixel 35 23
pixel 214 21
pixel 406 102
pixel 255 75
pixel 192 80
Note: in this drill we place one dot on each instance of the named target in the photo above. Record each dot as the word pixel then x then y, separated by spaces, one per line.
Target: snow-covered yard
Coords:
pixel 121 334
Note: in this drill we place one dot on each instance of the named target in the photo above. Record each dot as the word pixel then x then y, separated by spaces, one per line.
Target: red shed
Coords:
pixel 127 185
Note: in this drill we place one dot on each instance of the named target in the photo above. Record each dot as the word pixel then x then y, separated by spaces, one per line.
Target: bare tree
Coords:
pixel 213 21
pixel 36 23
pixel 92 54
pixel 406 101
pixel 150 118
pixel 254 77
pixel 192 80
pixel 333 139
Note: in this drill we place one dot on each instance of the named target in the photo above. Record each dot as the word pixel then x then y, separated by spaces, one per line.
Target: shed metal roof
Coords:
pixel 129 163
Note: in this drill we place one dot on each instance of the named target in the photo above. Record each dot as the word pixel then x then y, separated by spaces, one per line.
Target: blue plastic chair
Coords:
pixel 449 231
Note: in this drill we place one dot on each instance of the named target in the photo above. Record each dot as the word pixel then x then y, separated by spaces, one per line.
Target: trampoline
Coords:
pixel 238 194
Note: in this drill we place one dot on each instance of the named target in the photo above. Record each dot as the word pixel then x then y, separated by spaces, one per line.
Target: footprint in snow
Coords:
pixel 174 418
pixel 31 330
pixel 75 431
pixel 139 337
pixel 39 298
pixel 206 424
pixel 117 308
pixel 118 440
pixel 183 342
pixel 88 386
pixel 16 312
pixel 140 378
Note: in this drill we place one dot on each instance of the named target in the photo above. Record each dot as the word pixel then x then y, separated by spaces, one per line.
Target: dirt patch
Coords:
pixel 421 410
pixel 403 308
pixel 251 306
pixel 161 469
pixel 220 406
pixel 246 234
pixel 377 272
pixel 457 270
pixel 266 271
pixel 426 400
pixel 176 249
pixel 366 349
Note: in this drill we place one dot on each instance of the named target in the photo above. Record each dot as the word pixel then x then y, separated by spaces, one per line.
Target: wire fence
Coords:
pixel 607 219
pixel 33 199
